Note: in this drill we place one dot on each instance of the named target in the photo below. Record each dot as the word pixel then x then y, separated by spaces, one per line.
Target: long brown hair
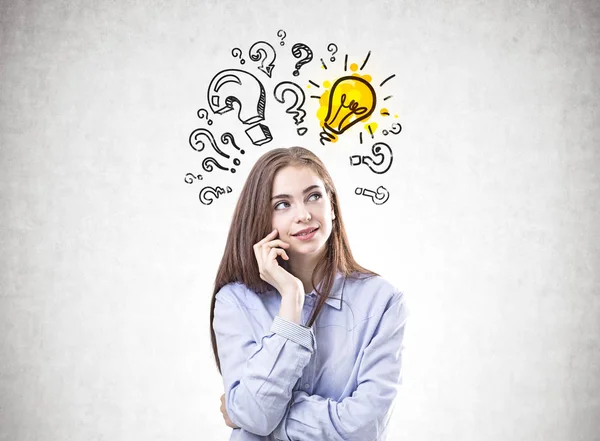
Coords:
pixel 252 221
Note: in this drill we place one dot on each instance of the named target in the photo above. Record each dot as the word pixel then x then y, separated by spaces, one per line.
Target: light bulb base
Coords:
pixel 327 136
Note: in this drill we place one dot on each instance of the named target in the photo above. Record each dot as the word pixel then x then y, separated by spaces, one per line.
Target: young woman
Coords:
pixel 308 342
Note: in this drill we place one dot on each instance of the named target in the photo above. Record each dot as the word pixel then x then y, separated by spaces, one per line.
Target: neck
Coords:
pixel 303 267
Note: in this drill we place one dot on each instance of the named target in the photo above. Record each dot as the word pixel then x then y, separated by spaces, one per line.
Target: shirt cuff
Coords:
pixel 292 331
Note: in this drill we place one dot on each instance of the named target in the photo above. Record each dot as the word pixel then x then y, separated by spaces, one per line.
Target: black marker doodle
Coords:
pixel 189 178
pixel 208 163
pixel 198 144
pixel 332 47
pixel 203 113
pixel 297 51
pixel 227 138
pixel 351 98
pixel 396 128
pixel 281 34
pixel 378 198
pixel 209 194
pixel 371 131
pixel 237 52
pixel 365 62
pixel 263 52
pixel 233 85
pixel 382 152
pixel 296 108
pixel 387 79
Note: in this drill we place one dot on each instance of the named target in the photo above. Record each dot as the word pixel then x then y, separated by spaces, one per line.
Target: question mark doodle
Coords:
pixel 194 141
pixel 380 167
pixel 197 144
pixel 203 113
pixel 333 49
pixel 208 163
pixel 279 34
pixel 378 198
pixel 263 51
pixel 297 50
pixel 208 194
pixel 243 88
pixel 296 108
pixel 227 138
pixel 237 52
pixel 395 126
pixel 189 178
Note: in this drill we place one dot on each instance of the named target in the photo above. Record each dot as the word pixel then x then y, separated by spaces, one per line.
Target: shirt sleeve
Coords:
pixel 258 376
pixel 365 414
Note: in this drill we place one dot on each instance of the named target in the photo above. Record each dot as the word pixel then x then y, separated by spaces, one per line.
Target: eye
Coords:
pixel 281 205
pixel 315 196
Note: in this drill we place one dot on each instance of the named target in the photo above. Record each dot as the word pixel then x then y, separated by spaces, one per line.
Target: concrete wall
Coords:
pixel 107 257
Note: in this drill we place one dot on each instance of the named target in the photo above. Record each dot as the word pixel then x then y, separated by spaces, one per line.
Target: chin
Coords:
pixel 310 249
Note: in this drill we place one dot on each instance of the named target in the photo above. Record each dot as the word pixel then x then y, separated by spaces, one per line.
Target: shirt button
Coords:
pixel 306 386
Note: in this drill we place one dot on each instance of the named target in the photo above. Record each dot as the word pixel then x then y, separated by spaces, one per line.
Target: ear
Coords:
pixel 332 214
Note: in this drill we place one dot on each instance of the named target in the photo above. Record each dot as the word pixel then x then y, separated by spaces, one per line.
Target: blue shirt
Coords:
pixel 336 380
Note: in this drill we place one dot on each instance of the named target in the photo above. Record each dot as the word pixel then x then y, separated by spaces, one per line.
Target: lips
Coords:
pixel 305 231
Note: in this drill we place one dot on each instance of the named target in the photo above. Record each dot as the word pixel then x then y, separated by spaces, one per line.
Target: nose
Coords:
pixel 303 214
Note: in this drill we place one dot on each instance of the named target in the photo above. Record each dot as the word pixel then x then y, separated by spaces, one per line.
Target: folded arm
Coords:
pixel 258 376
pixel 364 415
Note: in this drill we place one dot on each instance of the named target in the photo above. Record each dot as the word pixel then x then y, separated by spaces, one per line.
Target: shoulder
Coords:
pixel 371 292
pixel 373 297
pixel 239 294
pixel 377 285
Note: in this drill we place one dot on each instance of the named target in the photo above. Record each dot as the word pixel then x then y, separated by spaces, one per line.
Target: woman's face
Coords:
pixel 301 205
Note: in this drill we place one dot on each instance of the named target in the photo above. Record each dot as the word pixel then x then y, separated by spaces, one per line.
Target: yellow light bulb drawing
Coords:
pixel 352 99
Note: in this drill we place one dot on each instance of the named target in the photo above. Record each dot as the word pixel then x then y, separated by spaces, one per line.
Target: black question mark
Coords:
pixel 297 50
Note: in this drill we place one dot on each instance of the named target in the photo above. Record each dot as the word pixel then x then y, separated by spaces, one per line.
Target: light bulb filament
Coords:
pixel 353 110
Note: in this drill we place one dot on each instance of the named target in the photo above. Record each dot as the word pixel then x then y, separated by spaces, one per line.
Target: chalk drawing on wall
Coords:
pixel 347 103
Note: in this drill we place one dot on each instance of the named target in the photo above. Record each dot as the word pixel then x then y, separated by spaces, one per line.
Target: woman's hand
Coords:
pixel 225 416
pixel 266 252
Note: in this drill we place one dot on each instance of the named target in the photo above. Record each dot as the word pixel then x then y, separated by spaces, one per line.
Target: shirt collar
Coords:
pixel 337 290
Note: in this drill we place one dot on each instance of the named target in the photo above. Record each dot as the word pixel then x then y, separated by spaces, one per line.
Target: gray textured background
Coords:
pixel 492 228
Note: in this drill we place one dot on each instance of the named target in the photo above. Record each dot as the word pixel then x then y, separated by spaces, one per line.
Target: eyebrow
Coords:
pixel 287 196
